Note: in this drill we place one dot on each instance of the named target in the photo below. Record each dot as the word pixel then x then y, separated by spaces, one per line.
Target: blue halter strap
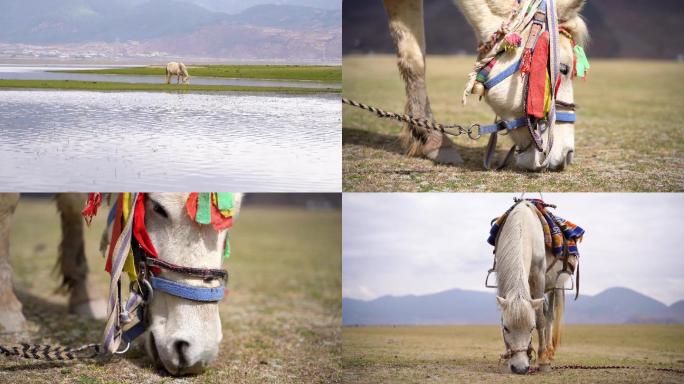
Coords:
pixel 508 125
pixel 186 291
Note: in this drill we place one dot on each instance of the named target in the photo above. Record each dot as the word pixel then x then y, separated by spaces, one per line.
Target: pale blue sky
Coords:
pixel 404 243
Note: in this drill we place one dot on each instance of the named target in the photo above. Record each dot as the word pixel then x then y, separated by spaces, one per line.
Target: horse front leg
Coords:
pixel 72 260
pixel 11 318
pixel 408 33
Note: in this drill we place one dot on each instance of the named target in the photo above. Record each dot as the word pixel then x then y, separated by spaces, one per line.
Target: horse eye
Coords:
pixel 564 69
pixel 506 329
pixel 157 208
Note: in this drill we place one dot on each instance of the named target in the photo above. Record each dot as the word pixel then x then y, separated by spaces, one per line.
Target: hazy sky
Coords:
pixel 401 244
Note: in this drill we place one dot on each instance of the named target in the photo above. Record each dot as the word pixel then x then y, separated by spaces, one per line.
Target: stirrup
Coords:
pixel 487 278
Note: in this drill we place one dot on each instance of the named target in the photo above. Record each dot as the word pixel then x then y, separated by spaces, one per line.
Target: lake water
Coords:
pixel 112 141
pixel 42 72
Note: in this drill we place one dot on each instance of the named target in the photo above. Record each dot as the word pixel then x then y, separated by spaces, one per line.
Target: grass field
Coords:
pixel 470 354
pixel 281 320
pixel 330 74
pixel 629 134
pixel 113 86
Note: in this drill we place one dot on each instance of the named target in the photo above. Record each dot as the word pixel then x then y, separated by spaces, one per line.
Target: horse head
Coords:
pixel 517 323
pixel 508 102
pixel 183 335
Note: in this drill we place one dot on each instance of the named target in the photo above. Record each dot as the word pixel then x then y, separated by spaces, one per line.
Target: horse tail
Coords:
pixel 558 309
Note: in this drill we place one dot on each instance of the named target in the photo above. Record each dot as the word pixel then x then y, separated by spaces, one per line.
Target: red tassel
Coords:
pixel 90 209
pixel 526 61
pixel 536 86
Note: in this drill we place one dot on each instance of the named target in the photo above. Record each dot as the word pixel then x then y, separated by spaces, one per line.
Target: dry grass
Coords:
pixel 281 321
pixel 629 135
pixel 469 354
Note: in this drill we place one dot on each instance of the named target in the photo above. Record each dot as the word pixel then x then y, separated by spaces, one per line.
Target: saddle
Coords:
pixel 560 237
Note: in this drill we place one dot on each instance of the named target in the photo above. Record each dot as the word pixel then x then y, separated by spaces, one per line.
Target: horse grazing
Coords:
pixel 182 332
pixel 506 97
pixel 177 69
pixel 523 276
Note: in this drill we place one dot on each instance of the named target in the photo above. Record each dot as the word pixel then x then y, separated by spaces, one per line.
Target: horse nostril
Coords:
pixel 521 371
pixel 181 348
pixel 569 156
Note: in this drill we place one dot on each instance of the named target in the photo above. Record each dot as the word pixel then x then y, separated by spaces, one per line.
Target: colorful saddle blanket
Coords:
pixel 556 230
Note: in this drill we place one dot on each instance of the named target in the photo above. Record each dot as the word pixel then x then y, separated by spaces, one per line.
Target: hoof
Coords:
pixel 96 309
pixel 445 155
pixel 544 367
pixel 12 321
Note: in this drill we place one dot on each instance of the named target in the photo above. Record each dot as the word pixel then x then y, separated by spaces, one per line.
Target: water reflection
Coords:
pixel 112 141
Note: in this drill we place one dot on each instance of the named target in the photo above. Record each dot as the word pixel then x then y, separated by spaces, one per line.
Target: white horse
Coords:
pixel 522 280
pixel 506 98
pixel 177 69
pixel 183 336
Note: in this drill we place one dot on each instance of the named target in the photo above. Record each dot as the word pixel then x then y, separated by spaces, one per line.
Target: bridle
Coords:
pixel 134 316
pixel 544 18
pixel 127 322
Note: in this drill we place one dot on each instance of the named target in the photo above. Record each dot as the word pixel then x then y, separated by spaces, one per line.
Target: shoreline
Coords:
pixel 309 73
pixel 137 87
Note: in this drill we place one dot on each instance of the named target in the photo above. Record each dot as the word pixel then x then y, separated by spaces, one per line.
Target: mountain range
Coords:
pixel 457 306
pixel 618 28
pixel 303 30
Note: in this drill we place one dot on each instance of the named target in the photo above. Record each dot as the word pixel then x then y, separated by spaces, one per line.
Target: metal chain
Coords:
pixel 50 352
pixel 473 131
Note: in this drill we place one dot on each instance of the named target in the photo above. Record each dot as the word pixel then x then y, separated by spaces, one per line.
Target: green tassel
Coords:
pixel 226 251
pixel 203 208
pixel 582 63
pixel 224 200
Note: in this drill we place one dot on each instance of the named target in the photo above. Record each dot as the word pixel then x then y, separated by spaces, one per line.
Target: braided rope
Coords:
pixel 473 131
pixel 50 352
pixel 597 367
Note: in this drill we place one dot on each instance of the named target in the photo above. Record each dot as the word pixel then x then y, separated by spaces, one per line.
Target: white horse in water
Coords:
pixel 177 69
pixel 522 280
pixel 506 98
pixel 182 335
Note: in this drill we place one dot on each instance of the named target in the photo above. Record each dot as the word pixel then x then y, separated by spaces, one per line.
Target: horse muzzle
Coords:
pixel 180 355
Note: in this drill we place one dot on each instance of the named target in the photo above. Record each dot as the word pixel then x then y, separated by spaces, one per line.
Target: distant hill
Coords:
pixel 619 28
pixel 457 306
pixel 179 27
pixel 237 6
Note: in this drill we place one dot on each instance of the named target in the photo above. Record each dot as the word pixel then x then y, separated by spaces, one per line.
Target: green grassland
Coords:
pixel 629 134
pixel 330 74
pixel 470 354
pixel 281 319
pixel 113 86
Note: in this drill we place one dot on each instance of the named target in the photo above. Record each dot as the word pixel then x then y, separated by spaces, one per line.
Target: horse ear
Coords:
pixel 578 29
pixel 501 302
pixel 537 303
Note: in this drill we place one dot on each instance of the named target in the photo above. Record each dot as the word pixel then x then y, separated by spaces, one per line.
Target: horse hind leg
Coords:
pixel 72 261
pixel 11 317
pixel 408 33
